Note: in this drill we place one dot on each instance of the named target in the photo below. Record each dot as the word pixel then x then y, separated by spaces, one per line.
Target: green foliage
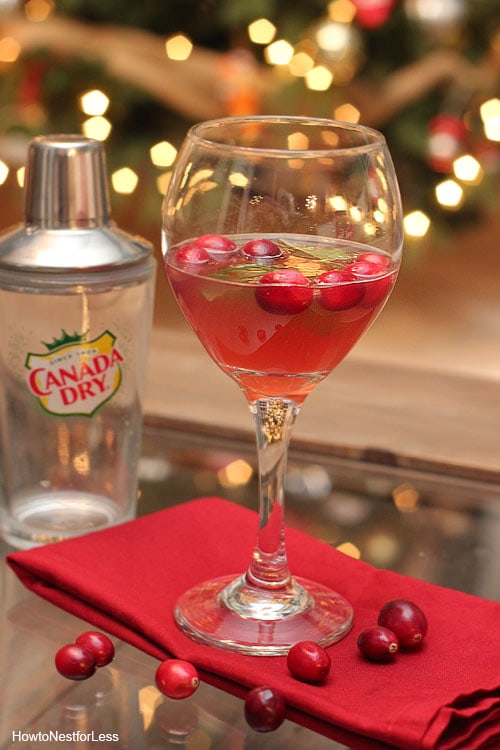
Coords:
pixel 138 120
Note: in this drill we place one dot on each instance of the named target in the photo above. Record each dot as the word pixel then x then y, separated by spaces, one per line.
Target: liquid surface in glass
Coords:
pixel 278 313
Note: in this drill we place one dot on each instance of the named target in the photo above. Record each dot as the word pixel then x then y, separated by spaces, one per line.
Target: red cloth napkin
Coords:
pixel 126 580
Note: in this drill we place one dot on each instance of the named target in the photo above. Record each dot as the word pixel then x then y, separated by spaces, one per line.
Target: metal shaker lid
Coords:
pixel 66 183
pixel 67 215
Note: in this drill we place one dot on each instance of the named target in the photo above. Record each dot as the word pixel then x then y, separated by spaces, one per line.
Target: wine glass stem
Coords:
pixel 274 419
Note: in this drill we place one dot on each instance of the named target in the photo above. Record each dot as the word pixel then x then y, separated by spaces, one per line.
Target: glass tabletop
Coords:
pixel 438 527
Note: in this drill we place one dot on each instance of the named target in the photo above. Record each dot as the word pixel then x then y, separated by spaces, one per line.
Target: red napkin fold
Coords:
pixel 126 580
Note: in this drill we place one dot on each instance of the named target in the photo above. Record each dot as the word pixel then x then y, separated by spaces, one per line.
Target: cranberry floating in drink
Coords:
pixel 302 225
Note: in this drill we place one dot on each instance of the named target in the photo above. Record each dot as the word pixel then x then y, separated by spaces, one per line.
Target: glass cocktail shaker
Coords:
pixel 76 300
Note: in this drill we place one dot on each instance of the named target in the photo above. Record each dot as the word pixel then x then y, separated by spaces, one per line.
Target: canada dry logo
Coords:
pixel 75 376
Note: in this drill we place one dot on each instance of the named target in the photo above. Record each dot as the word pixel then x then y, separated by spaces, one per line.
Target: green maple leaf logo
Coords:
pixel 66 338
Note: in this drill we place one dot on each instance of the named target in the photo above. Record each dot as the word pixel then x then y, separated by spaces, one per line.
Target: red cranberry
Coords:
pixel 374 258
pixel 342 290
pixel 284 292
pixel 376 289
pixel 192 253
pixel 378 644
pixel 261 248
pixel 264 709
pixel 75 662
pixel 215 243
pixel 176 678
pixel 308 662
pixel 406 620
pixel 99 644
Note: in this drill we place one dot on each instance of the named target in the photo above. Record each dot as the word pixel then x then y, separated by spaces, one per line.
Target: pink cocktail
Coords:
pixel 279 323
pixel 281 241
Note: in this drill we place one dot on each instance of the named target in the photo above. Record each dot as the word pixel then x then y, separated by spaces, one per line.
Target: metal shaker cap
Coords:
pixel 66 183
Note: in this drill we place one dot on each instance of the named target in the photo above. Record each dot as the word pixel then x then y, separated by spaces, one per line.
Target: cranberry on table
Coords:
pixel 308 661
pixel 99 644
pixel 216 243
pixel 264 709
pixel 406 620
pixel 261 248
pixel 377 643
pixel 177 678
pixel 192 254
pixel 284 292
pixel 341 290
pixel 75 662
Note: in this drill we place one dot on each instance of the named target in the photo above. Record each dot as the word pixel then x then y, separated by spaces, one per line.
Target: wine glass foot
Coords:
pixel 227 613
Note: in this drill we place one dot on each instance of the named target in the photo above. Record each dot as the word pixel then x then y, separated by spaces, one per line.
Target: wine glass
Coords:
pixel 281 240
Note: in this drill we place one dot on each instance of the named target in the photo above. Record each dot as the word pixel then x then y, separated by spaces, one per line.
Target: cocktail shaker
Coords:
pixel 76 300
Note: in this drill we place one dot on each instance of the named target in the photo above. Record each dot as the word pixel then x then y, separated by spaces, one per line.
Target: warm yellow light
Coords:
pixel 489 109
pixel 124 180
pixel 148 699
pixel 20 176
pixel 4 171
pixel 163 154
pixel 492 128
pixel 279 52
pixel 380 172
pixel 163 181
pixel 342 11
pixel 97 127
pixel 298 141
pixel 238 179
pixel 338 203
pixel 261 31
pixel 347 112
pixel 449 194
pixel 81 463
pixel 300 64
pixel 333 37
pixel 381 549
pixel 201 175
pixel 348 548
pixel 406 498
pixel 10 49
pixel 319 78
pixel 416 224
pixel 355 213
pixel 38 10
pixel 235 474
pixel 490 115
pixel 94 102
pixel 468 169
pixel 370 229
pixel 178 47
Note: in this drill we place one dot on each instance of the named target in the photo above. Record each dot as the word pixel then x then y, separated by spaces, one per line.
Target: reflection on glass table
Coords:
pixel 438 527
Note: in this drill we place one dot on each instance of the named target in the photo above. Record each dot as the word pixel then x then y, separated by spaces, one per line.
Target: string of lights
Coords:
pixel 330 61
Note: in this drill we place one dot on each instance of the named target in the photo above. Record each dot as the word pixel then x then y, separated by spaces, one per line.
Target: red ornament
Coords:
pixel 447 134
pixel 373 13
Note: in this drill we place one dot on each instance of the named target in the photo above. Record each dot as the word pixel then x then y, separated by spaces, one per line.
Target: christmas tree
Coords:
pixel 425 72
